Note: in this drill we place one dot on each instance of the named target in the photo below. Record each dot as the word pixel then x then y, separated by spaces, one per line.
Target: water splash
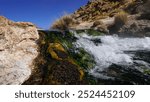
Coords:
pixel 112 50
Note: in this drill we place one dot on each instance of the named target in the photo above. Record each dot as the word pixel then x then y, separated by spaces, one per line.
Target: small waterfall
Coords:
pixel 131 53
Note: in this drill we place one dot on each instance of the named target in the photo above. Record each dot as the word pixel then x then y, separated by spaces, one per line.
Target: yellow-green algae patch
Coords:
pixel 54 63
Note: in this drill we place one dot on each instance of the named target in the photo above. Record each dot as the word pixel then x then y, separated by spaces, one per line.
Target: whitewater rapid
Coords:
pixel 112 50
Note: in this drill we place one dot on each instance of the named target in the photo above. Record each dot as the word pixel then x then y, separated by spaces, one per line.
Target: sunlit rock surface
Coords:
pixel 18 49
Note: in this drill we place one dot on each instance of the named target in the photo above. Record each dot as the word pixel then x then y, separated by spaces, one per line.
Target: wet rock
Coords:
pixel 18 49
pixel 142 55
pixel 128 74
pixel 62 72
pixel 96 41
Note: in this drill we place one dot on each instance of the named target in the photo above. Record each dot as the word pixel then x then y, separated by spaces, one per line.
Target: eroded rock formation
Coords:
pixel 18 49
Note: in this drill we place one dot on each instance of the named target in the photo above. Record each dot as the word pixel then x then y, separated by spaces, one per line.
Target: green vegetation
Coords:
pixel 147 71
pixel 93 32
pixel 83 59
pixel 90 32
pixel 60 62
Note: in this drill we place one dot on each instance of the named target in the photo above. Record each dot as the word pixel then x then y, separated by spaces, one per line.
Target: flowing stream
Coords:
pixel 117 58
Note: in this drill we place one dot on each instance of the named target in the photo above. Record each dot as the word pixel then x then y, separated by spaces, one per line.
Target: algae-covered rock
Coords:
pixel 147 71
pixel 84 59
pixel 56 51
pixel 55 64
pixel 62 72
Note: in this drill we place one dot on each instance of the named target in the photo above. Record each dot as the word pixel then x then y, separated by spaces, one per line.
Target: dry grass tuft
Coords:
pixel 120 19
pixel 64 23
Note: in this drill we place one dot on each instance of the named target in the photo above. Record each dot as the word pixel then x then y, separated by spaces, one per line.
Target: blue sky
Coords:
pixel 40 12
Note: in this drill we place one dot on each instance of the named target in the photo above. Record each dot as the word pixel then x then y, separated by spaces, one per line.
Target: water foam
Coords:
pixel 111 50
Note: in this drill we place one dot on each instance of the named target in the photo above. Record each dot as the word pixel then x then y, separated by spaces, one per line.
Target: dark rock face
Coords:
pixel 128 75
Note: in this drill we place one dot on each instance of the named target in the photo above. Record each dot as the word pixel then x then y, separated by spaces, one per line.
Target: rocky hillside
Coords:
pixel 100 9
pixel 129 17
pixel 124 17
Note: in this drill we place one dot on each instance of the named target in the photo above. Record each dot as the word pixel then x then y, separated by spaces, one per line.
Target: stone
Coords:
pixel 96 23
pixel 18 49
pixel 139 28
pixel 103 28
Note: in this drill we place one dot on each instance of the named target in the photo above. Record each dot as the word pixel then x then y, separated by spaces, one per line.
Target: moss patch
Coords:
pixel 60 62
pixel 91 32
pixel 147 71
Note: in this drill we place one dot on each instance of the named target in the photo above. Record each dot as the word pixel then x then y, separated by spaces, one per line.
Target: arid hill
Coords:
pixel 129 17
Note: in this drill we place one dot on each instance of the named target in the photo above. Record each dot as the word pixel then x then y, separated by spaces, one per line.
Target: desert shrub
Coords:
pixel 120 19
pixel 64 23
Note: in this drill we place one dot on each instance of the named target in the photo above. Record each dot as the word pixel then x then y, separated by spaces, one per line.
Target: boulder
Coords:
pixel 136 27
pixel 18 49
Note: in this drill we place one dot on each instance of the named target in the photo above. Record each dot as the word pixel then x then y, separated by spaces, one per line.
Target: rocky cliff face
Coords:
pixel 18 49
pixel 99 9
pixel 106 11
